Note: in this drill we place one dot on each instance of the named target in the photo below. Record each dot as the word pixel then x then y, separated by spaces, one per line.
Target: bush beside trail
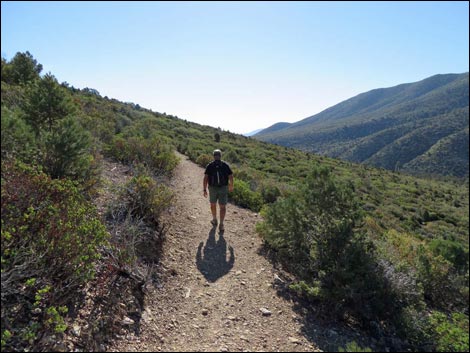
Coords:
pixel 51 240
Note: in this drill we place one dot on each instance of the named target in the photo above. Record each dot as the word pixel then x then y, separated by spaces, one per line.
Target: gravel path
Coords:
pixel 218 292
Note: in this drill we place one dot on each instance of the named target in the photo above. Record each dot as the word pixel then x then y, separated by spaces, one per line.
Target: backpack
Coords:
pixel 218 175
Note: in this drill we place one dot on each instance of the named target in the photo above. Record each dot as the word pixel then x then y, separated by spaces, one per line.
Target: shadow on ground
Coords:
pixel 211 259
pixel 319 326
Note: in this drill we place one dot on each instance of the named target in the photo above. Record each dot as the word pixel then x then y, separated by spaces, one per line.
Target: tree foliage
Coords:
pixel 21 70
pixel 47 103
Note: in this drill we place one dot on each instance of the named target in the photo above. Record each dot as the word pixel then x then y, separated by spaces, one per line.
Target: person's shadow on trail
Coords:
pixel 214 264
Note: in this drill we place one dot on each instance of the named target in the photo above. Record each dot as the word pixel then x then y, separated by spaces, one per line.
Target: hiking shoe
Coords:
pixel 214 222
pixel 221 227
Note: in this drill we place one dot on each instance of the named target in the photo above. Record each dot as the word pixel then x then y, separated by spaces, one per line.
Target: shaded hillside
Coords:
pixel 388 127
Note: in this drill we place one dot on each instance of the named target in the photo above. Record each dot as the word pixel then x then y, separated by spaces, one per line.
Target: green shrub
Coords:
pixel 232 157
pixel 146 199
pixel 244 197
pixel 66 150
pixel 317 221
pixel 155 153
pixel 18 140
pixel 204 159
pixel 354 347
pixel 450 333
pixel 452 251
pixel 313 233
pixel 50 240
pixel 439 282
pixel 270 193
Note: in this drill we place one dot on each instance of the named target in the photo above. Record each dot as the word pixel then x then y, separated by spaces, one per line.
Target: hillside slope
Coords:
pixel 389 127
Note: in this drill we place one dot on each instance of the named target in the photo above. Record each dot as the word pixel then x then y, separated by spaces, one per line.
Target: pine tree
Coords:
pixel 22 69
pixel 47 103
pixel 67 150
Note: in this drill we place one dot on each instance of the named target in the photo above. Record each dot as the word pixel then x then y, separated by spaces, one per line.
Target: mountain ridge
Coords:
pixel 349 124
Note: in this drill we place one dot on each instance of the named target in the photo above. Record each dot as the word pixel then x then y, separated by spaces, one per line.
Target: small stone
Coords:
pixel 265 312
pixel 76 330
pixel 294 340
pixel 127 321
pixel 147 315
pixel 205 312
pixel 278 279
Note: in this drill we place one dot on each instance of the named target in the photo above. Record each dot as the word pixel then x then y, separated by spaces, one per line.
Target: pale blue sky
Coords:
pixel 238 65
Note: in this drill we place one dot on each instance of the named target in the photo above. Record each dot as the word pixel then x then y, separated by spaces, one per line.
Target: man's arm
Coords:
pixel 204 184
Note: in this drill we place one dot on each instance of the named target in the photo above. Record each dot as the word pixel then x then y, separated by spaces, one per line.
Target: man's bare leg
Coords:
pixel 214 213
pixel 222 216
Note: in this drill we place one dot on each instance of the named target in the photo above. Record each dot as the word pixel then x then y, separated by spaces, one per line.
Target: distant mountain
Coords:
pixel 420 128
pixel 252 132
pixel 274 128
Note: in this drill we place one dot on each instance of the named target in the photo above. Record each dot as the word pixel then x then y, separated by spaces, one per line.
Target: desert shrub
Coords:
pixel 204 159
pixel 137 233
pixel 435 331
pixel 243 196
pixel 143 197
pixel 154 153
pixel 452 251
pixel 232 157
pixel 269 192
pixel 50 240
pixel 18 140
pixel 313 224
pixel 443 288
pixel 449 333
pixel 313 233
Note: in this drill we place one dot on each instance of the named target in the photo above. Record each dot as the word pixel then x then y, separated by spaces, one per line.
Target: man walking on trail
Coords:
pixel 219 176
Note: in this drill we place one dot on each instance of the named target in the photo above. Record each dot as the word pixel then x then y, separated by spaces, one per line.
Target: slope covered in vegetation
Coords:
pixel 384 250
pixel 397 128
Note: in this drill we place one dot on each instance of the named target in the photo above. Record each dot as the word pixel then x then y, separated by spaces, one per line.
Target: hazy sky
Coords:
pixel 238 65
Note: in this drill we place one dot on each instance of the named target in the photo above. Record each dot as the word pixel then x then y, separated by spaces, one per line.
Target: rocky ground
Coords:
pixel 216 291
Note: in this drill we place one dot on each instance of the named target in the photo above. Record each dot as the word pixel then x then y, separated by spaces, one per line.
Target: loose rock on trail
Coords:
pixel 217 293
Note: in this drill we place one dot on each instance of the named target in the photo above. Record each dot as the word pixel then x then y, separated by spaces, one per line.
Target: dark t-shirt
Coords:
pixel 218 172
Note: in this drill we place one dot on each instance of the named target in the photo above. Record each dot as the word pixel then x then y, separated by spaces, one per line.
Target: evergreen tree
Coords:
pixel 22 69
pixel 47 103
pixel 67 150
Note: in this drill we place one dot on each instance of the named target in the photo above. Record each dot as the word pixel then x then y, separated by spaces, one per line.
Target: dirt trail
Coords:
pixel 217 291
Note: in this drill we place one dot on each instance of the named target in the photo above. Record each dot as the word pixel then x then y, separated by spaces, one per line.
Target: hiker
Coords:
pixel 219 176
